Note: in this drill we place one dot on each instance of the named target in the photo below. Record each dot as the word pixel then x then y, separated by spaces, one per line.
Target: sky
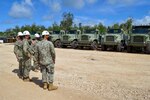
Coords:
pixel 87 12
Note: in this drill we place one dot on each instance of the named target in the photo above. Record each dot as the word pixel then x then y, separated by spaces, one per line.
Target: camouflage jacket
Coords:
pixel 33 46
pixel 34 43
pixel 45 53
pixel 18 49
pixel 27 49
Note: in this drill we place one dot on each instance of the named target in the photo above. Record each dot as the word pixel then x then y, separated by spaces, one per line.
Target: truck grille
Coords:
pixel 65 37
pixel 84 37
pixel 138 39
pixel 110 38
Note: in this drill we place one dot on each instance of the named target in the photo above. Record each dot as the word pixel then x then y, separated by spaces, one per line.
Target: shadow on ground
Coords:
pixel 36 81
pixel 16 71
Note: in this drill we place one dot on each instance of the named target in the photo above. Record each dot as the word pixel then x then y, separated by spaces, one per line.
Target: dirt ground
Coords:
pixel 80 75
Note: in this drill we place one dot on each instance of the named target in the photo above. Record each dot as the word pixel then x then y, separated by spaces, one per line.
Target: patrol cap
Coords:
pixel 36 35
pixel 26 33
pixel 45 33
pixel 20 34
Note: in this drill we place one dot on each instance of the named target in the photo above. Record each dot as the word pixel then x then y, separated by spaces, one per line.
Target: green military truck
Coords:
pixel 114 39
pixel 139 39
pixel 56 37
pixel 70 38
pixel 89 38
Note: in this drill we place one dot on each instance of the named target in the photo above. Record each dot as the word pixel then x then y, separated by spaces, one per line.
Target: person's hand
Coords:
pixel 33 42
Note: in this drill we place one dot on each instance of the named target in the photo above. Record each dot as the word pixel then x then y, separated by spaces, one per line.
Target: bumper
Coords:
pixel 67 43
pixel 110 43
pixel 85 43
pixel 137 44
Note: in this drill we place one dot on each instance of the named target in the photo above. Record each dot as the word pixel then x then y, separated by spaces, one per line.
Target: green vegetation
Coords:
pixel 66 24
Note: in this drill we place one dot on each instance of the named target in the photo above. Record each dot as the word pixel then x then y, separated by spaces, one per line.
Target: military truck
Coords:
pixel 70 38
pixel 56 37
pixel 89 38
pixel 114 39
pixel 139 39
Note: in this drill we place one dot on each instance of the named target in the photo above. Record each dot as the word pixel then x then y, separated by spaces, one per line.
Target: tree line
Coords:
pixel 66 24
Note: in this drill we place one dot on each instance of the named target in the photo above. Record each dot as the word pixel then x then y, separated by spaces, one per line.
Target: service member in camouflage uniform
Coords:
pixel 45 55
pixel 18 50
pixel 27 52
pixel 35 41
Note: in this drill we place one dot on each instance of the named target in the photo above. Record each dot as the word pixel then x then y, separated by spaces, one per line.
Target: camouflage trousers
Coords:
pixel 47 73
pixel 27 67
pixel 21 67
pixel 34 63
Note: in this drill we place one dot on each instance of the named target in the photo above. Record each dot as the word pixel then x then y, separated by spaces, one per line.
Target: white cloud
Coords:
pixel 149 12
pixel 29 2
pixel 142 21
pixel 73 3
pixel 88 21
pixel 91 1
pixel 44 1
pixel 21 10
pixel 121 2
pixel 48 17
pixel 78 4
pixel 55 5
pixel 107 10
pixel 7 22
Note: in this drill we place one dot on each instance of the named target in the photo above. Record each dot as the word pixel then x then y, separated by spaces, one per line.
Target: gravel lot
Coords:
pixel 80 75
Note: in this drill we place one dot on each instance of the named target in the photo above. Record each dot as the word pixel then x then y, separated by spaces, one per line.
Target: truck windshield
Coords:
pixel 140 31
pixel 71 32
pixel 114 31
pixel 90 31
pixel 56 32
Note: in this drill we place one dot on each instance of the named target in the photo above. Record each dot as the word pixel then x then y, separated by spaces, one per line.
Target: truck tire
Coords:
pixel 57 44
pixel 74 44
pixel 94 45
pixel 148 48
pixel 104 48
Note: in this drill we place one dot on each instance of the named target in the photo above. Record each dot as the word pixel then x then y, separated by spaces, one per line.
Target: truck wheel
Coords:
pixel 129 49
pixel 94 45
pixel 74 44
pixel 104 48
pixel 148 48
pixel 57 44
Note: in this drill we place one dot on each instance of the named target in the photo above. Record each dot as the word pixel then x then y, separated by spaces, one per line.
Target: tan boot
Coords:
pixel 52 87
pixel 44 85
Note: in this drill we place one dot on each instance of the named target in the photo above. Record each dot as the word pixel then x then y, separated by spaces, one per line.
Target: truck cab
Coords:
pixel 89 38
pixel 114 39
pixel 56 37
pixel 70 38
pixel 139 39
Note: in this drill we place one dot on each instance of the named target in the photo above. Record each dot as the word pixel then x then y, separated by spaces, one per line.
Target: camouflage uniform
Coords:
pixel 27 52
pixel 45 55
pixel 18 50
pixel 35 64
